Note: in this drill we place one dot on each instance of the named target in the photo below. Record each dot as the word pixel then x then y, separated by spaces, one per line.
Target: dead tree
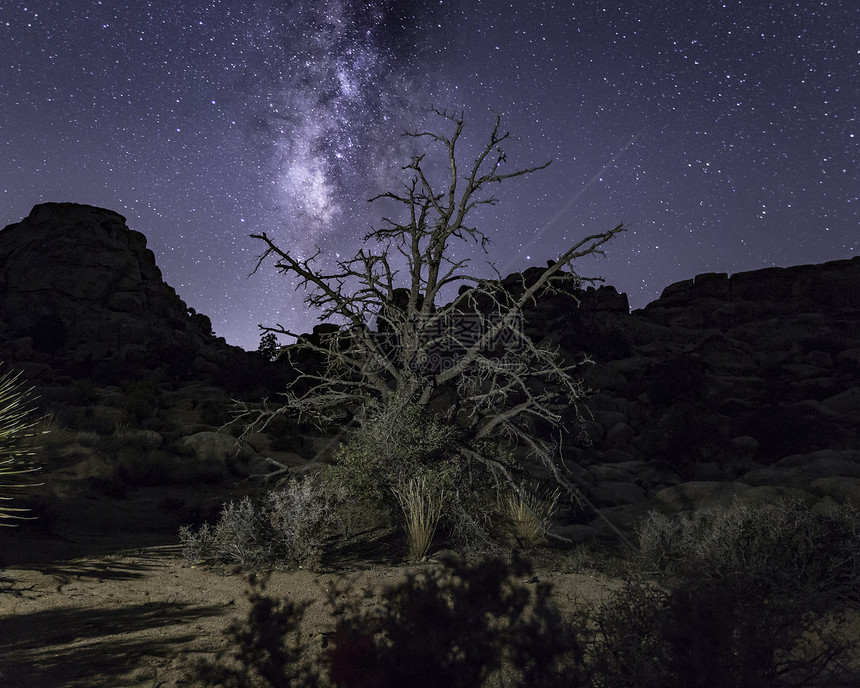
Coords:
pixel 505 382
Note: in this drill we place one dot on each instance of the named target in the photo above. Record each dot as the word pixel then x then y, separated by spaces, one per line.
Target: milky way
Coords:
pixel 723 135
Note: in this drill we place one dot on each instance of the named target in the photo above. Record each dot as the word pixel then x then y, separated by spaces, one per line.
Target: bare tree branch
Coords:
pixel 504 385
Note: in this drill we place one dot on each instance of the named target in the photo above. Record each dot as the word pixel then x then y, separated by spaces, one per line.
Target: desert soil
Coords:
pixel 81 609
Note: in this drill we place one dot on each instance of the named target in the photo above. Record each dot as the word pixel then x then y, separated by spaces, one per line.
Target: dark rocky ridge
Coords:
pixel 744 385
pixel 724 386
pixel 81 294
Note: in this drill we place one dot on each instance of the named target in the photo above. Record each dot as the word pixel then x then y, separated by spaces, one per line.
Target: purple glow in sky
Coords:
pixel 724 135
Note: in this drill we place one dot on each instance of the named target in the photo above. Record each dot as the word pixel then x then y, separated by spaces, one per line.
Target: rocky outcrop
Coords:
pixel 726 387
pixel 81 294
pixel 743 387
pixel 723 384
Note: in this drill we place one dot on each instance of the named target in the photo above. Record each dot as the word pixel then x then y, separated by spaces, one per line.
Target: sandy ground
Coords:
pixel 143 616
pixel 101 596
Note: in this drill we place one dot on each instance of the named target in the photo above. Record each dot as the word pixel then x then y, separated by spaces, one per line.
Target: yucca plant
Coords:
pixel 422 508
pixel 529 513
pixel 16 451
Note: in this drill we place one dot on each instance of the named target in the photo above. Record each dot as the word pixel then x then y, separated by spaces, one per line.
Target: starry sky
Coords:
pixel 723 134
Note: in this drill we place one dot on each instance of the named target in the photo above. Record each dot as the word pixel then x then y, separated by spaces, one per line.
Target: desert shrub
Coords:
pixel 286 528
pixel 140 399
pixel 714 633
pixel 301 513
pixel 49 434
pixel 124 438
pixel 783 545
pixel 270 647
pixel 361 471
pixel 458 625
pixel 474 625
pixel 85 390
pixel 461 625
pixel 240 536
pixel 740 596
pixel 400 442
pixel 391 445
pixel 88 438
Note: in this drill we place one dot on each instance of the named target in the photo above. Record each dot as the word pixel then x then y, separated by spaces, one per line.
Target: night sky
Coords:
pixel 723 134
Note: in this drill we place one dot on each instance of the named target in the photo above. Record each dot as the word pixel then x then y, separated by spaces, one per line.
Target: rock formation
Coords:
pixel 724 386
pixel 744 386
pixel 81 294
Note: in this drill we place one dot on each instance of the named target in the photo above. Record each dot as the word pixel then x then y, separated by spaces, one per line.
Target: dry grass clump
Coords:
pixel 529 513
pixel 49 434
pixel 422 508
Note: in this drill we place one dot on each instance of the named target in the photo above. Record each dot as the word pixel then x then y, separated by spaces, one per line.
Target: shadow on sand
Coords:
pixel 92 647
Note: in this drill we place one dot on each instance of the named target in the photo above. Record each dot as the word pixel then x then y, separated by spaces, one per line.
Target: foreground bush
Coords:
pixel 271 649
pixel 744 597
pixel 735 597
pixel 715 634
pixel 286 528
pixel 459 626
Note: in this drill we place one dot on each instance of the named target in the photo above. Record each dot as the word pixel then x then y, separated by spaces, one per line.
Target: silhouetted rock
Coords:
pixel 726 387
pixel 745 380
pixel 81 294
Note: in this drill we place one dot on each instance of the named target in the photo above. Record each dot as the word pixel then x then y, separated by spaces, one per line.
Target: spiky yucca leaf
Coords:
pixel 16 452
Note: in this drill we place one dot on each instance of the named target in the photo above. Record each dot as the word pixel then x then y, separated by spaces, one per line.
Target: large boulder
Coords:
pixel 81 294
pixel 75 279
